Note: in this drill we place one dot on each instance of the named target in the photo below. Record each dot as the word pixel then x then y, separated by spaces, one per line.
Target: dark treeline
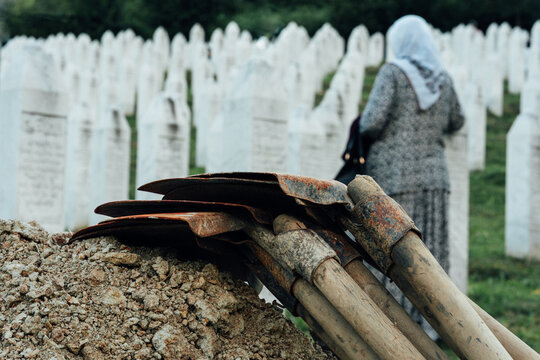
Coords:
pixel 41 18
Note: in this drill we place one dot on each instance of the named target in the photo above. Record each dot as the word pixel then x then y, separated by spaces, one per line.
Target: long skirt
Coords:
pixel 429 211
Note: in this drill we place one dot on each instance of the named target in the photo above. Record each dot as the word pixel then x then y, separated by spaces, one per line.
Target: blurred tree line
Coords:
pixel 41 18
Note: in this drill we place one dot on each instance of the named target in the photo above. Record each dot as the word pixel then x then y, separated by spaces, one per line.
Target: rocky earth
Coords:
pixel 99 299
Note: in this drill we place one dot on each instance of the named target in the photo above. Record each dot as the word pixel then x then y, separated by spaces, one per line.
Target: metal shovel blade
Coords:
pixel 278 192
pixel 315 191
pixel 141 207
pixel 170 225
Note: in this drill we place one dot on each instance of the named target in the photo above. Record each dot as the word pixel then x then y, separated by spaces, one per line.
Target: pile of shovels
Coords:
pixel 308 240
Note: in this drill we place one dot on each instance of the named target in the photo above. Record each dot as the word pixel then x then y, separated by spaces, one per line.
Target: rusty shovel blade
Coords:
pixel 201 224
pixel 141 207
pixel 278 191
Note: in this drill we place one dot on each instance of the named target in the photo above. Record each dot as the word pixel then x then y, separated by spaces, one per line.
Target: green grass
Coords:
pixel 326 84
pixel 507 288
pixel 369 79
pixel 132 121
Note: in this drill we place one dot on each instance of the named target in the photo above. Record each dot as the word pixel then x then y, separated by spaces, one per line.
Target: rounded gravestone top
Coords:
pixel 107 38
pixel 130 34
pixel 33 69
pixel 246 36
pixel 178 41
pixel 196 33
pixel 262 42
pixel 217 35
pixel 161 36
pixel 232 30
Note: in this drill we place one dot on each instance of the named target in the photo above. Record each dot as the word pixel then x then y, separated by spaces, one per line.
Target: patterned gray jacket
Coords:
pixel 407 151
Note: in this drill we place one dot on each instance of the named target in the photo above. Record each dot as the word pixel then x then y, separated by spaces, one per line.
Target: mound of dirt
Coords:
pixel 99 299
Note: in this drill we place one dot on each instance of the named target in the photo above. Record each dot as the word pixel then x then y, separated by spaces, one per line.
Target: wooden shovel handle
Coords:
pixel 338 331
pixel 362 313
pixel 386 302
pixel 447 307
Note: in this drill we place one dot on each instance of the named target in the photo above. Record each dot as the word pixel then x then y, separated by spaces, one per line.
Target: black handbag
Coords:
pixel 354 155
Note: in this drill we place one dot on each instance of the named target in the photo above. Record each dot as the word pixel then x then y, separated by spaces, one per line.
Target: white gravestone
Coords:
pixel 93 55
pixel 149 85
pixel 209 100
pixel 163 146
pixel 376 49
pixel 306 144
pixel 255 118
pixel 516 67
pixel 300 87
pixel 72 82
pixel 162 47
pixel 136 51
pixel 475 112
pixel 522 220
pixel 128 86
pixel 309 85
pixel 178 54
pixel 353 64
pixel 108 93
pixel 494 85
pixel 491 38
pixel 458 208
pixel 107 56
pixel 79 148
pixel 82 50
pixel 328 114
pixel 196 38
pixel 109 164
pixel 535 35
pixel 176 83
pixel 216 43
pixel 228 56
pixel 342 83
pixel 503 38
pixel 243 48
pixel 70 42
pixel 297 116
pixel 88 91
pixel 359 40
pixel 202 67
pixel 214 146
pixel 33 108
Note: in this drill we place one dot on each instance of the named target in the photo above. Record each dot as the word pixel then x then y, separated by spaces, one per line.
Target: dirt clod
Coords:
pixel 99 299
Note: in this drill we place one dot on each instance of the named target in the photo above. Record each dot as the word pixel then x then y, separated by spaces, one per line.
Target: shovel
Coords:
pixel 308 255
pixel 337 203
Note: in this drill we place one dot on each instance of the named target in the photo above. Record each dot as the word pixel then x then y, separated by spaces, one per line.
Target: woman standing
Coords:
pixel 411 107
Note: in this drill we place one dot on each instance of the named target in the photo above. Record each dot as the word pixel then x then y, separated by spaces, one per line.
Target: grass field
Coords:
pixel 508 289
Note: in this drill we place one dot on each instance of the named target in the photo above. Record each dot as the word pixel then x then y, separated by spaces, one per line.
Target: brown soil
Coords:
pixel 99 299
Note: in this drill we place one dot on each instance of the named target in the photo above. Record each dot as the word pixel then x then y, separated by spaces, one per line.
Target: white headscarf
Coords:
pixel 416 54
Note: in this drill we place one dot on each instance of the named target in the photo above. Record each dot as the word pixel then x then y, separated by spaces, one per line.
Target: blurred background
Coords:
pixel 40 18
